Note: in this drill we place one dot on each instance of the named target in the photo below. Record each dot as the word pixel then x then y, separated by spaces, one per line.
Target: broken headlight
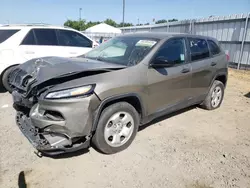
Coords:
pixel 73 92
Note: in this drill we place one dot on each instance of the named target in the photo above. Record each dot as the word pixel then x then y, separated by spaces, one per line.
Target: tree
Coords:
pixel 161 21
pixel 110 22
pixel 83 25
pixel 173 20
pixel 78 25
pixel 165 21
pixel 125 24
pixel 91 24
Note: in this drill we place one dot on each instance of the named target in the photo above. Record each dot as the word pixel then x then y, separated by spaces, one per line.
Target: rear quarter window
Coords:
pixel 5 34
pixel 29 39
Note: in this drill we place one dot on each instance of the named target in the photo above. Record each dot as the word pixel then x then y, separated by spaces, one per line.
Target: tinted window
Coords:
pixel 71 38
pixel 5 34
pixel 172 51
pixel 199 48
pixel 29 39
pixel 214 48
pixel 46 37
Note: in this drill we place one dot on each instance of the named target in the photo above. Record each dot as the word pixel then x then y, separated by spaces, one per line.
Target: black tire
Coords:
pixel 207 103
pixel 98 139
pixel 5 79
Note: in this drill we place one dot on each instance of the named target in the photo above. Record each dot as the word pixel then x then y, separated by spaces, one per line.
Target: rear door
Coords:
pixel 73 43
pixel 40 43
pixel 203 66
pixel 169 86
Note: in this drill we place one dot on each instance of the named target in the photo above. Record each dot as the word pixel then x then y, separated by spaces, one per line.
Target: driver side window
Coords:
pixel 173 51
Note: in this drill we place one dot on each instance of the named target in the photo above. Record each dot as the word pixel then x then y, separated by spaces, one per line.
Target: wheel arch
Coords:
pixel 221 76
pixel 131 98
pixel 2 73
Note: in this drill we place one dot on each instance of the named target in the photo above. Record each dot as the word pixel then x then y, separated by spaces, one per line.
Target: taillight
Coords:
pixel 227 57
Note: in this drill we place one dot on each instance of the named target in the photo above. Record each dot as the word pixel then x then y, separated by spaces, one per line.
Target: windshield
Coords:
pixel 124 50
pixel 5 34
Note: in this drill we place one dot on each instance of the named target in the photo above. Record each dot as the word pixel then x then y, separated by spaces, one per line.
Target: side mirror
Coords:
pixel 161 62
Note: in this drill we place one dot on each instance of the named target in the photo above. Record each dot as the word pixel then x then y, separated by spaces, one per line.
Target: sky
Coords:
pixel 58 11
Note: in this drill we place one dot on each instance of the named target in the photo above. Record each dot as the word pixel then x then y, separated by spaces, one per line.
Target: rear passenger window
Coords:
pixel 198 49
pixel 29 39
pixel 46 37
pixel 71 38
pixel 214 48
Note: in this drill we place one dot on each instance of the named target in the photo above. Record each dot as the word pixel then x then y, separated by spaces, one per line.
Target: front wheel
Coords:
pixel 215 96
pixel 116 129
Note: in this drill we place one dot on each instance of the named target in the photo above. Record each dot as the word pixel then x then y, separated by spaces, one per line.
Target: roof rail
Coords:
pixel 28 24
pixel 34 24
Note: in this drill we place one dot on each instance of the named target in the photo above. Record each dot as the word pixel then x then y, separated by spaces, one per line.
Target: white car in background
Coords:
pixel 20 43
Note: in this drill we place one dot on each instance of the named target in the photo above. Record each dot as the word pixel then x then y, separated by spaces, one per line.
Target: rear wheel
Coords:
pixel 214 97
pixel 116 129
pixel 5 79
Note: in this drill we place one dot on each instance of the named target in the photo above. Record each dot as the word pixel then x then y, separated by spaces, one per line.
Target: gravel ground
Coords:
pixel 193 148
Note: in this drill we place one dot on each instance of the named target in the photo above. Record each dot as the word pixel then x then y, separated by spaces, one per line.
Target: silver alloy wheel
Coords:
pixel 216 96
pixel 119 129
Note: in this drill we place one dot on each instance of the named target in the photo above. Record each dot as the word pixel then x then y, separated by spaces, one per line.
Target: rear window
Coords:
pixel 5 34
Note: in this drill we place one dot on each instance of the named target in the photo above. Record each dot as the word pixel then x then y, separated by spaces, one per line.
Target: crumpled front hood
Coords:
pixel 43 69
pixel 51 67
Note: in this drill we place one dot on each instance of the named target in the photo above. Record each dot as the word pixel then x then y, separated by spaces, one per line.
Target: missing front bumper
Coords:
pixel 42 141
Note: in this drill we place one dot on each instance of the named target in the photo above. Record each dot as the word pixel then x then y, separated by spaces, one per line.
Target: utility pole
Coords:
pixel 80 18
pixel 138 20
pixel 80 14
pixel 123 14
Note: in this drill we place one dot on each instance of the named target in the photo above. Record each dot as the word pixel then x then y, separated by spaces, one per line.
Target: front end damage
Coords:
pixel 55 127
pixel 52 126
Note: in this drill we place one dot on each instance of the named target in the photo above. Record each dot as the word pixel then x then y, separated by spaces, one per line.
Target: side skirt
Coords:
pixel 173 108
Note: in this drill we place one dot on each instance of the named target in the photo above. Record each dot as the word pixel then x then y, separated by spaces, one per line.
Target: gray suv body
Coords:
pixel 104 96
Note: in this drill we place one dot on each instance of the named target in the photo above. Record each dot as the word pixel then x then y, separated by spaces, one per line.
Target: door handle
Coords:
pixel 213 64
pixel 29 52
pixel 185 70
pixel 73 52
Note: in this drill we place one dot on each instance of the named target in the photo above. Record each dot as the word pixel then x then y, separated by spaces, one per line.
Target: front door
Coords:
pixel 169 86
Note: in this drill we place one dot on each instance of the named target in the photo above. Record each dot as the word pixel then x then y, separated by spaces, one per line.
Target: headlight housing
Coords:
pixel 71 93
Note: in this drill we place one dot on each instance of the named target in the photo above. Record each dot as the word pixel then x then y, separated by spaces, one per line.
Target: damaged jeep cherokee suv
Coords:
pixel 63 104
